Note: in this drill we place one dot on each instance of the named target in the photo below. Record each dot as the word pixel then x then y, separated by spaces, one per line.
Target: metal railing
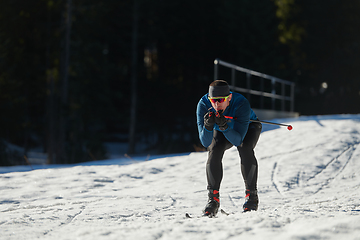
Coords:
pixel 273 95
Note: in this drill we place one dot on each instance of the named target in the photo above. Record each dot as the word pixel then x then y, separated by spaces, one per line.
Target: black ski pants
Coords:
pixel 249 165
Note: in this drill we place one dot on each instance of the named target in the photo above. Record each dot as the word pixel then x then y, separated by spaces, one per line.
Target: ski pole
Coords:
pixel 289 127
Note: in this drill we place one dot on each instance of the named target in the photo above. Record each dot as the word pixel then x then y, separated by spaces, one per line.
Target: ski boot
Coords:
pixel 213 204
pixel 251 201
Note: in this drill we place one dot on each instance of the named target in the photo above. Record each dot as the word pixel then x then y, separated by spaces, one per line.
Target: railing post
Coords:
pixel 248 85
pixel 216 63
pixel 283 97
pixel 292 97
pixel 262 91
pixel 273 92
pixel 233 77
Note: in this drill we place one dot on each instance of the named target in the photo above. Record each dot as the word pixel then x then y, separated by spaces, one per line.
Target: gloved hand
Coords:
pixel 221 121
pixel 209 120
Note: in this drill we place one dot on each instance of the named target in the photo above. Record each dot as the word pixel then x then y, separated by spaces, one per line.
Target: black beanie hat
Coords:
pixel 219 88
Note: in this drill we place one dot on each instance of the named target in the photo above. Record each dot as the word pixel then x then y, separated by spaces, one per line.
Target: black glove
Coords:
pixel 221 121
pixel 209 120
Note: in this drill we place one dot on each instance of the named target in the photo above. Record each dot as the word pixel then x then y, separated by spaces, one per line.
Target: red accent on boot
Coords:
pixel 248 194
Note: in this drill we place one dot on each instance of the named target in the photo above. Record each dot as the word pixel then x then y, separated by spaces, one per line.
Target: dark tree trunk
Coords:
pixel 132 129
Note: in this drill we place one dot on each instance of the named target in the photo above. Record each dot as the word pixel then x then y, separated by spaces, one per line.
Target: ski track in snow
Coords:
pixel 309 188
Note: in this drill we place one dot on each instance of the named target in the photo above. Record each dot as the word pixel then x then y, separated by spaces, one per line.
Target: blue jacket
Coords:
pixel 238 113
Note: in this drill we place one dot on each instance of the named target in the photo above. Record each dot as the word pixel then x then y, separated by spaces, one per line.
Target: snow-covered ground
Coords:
pixel 309 188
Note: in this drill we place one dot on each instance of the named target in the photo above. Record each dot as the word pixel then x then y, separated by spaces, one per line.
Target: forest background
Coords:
pixel 77 74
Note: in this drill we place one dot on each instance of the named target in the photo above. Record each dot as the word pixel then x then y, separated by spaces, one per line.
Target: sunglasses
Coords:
pixel 218 99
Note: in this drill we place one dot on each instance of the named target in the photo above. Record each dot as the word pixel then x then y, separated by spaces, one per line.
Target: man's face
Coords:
pixel 221 106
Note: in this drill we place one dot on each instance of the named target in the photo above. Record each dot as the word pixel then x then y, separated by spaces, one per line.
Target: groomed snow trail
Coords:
pixel 308 186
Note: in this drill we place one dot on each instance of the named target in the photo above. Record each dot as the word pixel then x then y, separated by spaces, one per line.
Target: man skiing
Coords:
pixel 223 120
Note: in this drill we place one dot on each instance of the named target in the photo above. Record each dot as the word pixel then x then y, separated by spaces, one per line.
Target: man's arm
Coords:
pixel 205 135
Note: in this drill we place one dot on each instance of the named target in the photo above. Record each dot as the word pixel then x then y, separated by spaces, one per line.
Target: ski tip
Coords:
pixel 205 214
pixel 224 212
